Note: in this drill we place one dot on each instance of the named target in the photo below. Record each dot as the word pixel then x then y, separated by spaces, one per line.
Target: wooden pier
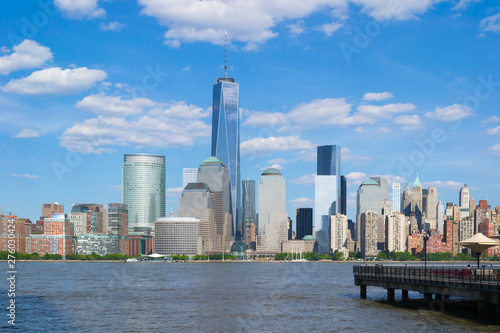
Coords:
pixel 477 284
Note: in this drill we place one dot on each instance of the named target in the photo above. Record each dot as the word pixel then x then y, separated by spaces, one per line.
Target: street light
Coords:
pixel 425 237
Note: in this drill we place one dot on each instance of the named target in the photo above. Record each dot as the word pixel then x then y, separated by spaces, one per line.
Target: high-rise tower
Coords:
pixel 143 181
pixel 226 138
pixel 396 197
pixel 327 188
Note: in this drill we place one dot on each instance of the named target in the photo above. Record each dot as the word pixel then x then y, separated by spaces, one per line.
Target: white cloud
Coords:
pixel 464 4
pixel 186 69
pixel 55 81
pixel 276 166
pixel 301 202
pixel 25 176
pixel 377 96
pixel 355 177
pixel 492 119
pixel 329 28
pixel 493 131
pixel 262 146
pixel 28 54
pixel 267 119
pixel 27 133
pixel 392 179
pixel 320 112
pixel 450 185
pixel 116 188
pixel 112 26
pixel 113 105
pixel 297 28
pixel 173 192
pixel 408 123
pixel 278 160
pixel 307 179
pixel 491 23
pixel 80 8
pixel 348 156
pixel 253 22
pixel 177 125
pixel 451 113
pixel 495 150
pixel 384 111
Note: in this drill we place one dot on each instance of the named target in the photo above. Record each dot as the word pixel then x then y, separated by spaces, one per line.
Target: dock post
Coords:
pixel 362 292
pixel 390 294
pixel 404 295
pixel 427 298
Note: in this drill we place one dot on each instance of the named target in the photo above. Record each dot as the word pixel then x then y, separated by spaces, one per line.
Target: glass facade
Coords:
pixel 369 197
pixel 143 181
pixel 327 193
pixel 304 222
pixel 248 207
pixel 178 235
pixel 226 140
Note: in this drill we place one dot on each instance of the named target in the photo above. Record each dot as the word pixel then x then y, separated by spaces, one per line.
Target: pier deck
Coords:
pixel 482 285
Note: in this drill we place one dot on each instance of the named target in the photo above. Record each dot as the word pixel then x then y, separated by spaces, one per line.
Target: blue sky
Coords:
pixel 402 86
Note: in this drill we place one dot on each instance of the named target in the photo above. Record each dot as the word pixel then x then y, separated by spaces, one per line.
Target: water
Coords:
pixel 210 297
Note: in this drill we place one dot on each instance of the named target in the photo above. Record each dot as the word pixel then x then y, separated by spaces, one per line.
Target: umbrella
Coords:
pixel 478 243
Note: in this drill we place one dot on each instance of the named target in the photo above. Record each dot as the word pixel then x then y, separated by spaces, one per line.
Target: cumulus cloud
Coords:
pixel 27 133
pixel 268 119
pixel 355 177
pixel 301 202
pixel 491 23
pixel 408 122
pixel 80 8
pixel 28 54
pixel 112 26
pixel 25 176
pixel 177 125
pixel 254 22
pixel 451 113
pixel 276 166
pixel 464 4
pixel 262 146
pixel 493 131
pixel 450 185
pixel 491 120
pixel 348 156
pixel 495 150
pixel 278 160
pixel 377 96
pixel 173 192
pixel 55 81
pixel 307 179
pixel 328 111
pixel 113 105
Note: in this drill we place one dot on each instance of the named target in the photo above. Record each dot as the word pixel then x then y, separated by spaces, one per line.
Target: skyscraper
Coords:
pixel 273 218
pixel 214 173
pixel 368 234
pixel 464 197
pixel 189 176
pixel 368 197
pixel 327 193
pixel 431 208
pixel 248 207
pixel 383 186
pixel 396 197
pixel 440 217
pixel 143 189
pixel 226 138
pixel 416 201
pixel 304 222
pixel 343 195
pixel 407 201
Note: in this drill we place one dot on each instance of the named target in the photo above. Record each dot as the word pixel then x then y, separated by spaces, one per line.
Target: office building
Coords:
pixel 198 201
pixel 417 201
pixel 56 237
pixel 343 195
pixel 440 217
pixel 98 243
pixel 383 186
pixel 94 219
pixel 226 139
pixel 304 222
pixel 178 235
pixel 52 208
pixel 248 207
pixel 406 210
pixel 464 197
pixel 214 174
pixel 368 197
pixel 396 197
pixel 368 234
pixel 395 232
pixel 143 190
pixel 18 231
pixel 431 208
pixel 189 175
pixel 273 218
pixel 327 194
pixel 118 224
pixel 338 234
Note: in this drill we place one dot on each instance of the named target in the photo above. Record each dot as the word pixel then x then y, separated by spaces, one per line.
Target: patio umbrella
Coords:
pixel 478 243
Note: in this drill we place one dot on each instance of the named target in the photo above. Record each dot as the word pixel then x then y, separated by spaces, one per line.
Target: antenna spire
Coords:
pixel 225 53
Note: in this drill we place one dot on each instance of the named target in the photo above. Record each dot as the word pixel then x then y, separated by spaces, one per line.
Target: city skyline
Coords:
pixel 407 101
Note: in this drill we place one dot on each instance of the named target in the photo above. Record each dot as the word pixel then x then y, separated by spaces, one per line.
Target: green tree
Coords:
pixel 325 257
pixel 381 256
pixel 339 256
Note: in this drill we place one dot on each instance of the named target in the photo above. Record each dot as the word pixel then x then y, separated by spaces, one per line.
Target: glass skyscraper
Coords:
pixel 226 140
pixel 143 181
pixel 396 197
pixel 327 193
pixel 248 207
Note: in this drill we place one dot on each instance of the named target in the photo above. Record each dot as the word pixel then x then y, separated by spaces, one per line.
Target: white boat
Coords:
pixel 132 260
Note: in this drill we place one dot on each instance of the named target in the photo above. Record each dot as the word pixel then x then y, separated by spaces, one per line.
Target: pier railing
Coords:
pixel 465 277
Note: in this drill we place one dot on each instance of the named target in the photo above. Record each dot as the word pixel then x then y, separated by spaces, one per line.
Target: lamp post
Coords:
pixel 425 237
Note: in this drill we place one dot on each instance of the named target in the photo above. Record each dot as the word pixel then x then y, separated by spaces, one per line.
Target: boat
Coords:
pixel 132 260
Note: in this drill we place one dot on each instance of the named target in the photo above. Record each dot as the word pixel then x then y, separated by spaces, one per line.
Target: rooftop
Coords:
pixel 271 171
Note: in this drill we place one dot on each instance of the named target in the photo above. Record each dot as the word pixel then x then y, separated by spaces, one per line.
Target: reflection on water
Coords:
pixel 211 297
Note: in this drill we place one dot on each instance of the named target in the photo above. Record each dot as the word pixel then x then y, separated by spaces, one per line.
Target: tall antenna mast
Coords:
pixel 225 53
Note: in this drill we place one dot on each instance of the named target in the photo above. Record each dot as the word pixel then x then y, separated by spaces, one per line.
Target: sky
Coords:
pixel 403 86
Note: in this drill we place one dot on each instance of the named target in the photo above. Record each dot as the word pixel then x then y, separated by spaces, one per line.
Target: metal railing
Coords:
pixel 463 277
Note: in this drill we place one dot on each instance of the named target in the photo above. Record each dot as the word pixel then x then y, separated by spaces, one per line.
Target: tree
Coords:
pixel 325 257
pixel 339 256
pixel 381 256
